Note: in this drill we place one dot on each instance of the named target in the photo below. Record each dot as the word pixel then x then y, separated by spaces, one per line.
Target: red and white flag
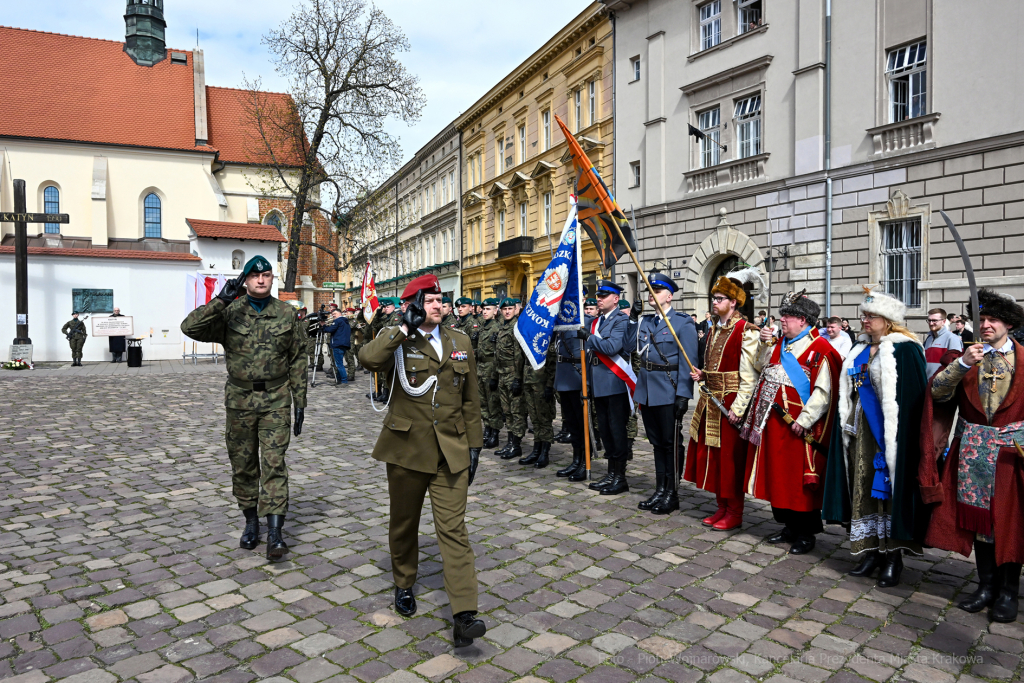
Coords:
pixel 619 367
pixel 369 294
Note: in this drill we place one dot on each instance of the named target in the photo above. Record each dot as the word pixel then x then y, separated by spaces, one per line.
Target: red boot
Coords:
pixel 713 519
pixel 733 518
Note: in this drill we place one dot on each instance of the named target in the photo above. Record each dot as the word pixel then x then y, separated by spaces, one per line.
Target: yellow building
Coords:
pixel 516 172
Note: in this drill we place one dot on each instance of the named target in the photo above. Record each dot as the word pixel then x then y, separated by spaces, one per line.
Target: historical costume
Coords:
pixel 798 383
pixel 718 455
pixel 871 478
pixel 978 487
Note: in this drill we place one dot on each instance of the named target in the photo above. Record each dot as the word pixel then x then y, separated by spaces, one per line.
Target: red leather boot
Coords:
pixel 733 515
pixel 713 519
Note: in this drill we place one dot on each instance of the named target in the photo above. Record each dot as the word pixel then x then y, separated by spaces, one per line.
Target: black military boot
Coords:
pixel 564 437
pixel 490 437
pixel 618 484
pixel 869 563
pixel 517 450
pixel 1004 609
pixel 629 450
pixel 891 570
pixel 985 595
pixel 251 536
pixel 561 434
pixel 659 489
pixel 466 628
pixel 607 479
pixel 532 457
pixel 668 501
pixel 544 458
pixel 577 462
pixel 506 448
pixel 493 441
pixel 276 547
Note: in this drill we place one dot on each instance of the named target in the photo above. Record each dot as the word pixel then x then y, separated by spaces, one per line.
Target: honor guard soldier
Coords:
pixel 487 374
pixel 663 384
pixel 510 361
pixel 266 376
pixel 569 385
pixel 608 359
pixel 431 441
pixel 477 308
pixel 448 317
pixel 468 324
pixel 74 330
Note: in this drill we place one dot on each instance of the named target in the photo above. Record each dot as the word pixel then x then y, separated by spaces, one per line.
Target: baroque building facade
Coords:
pixel 839 153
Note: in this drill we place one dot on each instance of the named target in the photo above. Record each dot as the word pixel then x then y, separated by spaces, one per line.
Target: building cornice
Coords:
pixel 722 76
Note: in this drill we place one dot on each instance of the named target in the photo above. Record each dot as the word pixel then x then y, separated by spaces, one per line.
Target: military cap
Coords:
pixel 425 283
pixel 476 302
pixel 590 302
pixel 663 281
pixel 624 304
pixel 463 301
pixel 386 301
pixel 516 301
pixel 257 264
pixel 608 287
pixel 506 302
pixel 491 302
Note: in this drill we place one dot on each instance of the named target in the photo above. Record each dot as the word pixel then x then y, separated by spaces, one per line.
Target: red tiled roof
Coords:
pixel 235 231
pixel 228 126
pixel 61 87
pixel 108 253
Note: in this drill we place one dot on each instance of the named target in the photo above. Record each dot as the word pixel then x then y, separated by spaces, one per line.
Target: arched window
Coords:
pixel 274 218
pixel 51 204
pixel 152 216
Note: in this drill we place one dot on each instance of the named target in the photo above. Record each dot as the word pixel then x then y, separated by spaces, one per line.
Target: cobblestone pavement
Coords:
pixel 119 561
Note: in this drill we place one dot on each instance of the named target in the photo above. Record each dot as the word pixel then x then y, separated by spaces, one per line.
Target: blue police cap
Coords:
pixel 663 281
pixel 608 287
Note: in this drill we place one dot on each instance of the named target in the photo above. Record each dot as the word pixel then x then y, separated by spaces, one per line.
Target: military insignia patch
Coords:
pixel 459 355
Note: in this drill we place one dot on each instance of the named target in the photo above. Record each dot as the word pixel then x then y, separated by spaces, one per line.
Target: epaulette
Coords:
pixel 455 329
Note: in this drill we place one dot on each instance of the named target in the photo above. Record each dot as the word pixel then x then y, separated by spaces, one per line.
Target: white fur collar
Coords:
pixel 890 410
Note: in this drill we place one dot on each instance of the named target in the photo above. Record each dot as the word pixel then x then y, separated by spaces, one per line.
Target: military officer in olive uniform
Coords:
pixel 266 365
pixel 431 441
pixel 509 363
pixel 487 373
pixel 74 330
pixel 467 323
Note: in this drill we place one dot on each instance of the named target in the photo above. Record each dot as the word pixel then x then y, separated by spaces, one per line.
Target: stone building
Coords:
pixel 516 172
pixel 846 151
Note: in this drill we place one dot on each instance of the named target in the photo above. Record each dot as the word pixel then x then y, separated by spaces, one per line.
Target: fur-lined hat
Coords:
pixel 797 304
pixel 729 287
pixel 885 305
pixel 1001 306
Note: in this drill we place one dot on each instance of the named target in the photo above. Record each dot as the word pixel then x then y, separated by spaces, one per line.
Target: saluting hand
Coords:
pixel 229 292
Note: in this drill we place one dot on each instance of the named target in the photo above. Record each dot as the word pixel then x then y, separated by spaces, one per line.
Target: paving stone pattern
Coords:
pixel 119 561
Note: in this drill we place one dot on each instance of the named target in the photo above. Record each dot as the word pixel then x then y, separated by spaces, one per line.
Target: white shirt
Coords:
pixel 988 348
pixel 434 337
pixel 842 343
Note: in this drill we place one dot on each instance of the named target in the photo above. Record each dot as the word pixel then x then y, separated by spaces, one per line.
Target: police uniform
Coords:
pixel 431 441
pixel 595 428
pixel 266 366
pixel 74 330
pixel 487 377
pixel 663 389
pixel 631 424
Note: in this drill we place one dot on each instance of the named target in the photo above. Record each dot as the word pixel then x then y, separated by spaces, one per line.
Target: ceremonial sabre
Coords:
pixel 976 314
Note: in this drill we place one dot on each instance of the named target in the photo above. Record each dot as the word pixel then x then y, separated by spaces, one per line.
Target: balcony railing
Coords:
pixel 516 245
pixel 910 135
pixel 727 173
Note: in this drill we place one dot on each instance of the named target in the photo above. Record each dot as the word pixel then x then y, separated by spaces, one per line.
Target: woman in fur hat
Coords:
pixel 870 482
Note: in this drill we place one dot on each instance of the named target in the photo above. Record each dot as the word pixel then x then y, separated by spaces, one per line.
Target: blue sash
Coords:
pixel 881 487
pixel 794 370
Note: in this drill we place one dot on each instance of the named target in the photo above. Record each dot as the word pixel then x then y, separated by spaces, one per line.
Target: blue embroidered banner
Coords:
pixel 556 302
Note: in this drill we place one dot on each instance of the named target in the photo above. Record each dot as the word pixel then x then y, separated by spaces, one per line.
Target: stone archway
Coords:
pixel 724 242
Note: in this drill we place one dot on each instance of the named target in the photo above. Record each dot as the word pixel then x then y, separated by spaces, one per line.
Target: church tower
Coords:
pixel 144 31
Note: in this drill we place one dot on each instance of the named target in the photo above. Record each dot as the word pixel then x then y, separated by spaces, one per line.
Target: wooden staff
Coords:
pixel 586 408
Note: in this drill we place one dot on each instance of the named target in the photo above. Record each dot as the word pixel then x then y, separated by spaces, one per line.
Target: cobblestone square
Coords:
pixel 119 561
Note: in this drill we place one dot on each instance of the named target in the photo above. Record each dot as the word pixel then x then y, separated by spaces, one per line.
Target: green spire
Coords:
pixel 144 31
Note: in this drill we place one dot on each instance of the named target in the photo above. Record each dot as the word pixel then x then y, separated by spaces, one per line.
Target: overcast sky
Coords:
pixel 460 48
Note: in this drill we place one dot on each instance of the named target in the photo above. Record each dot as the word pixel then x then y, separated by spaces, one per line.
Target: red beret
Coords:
pixel 426 283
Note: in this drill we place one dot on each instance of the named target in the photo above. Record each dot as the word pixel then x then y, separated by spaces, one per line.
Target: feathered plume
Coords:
pixel 751 274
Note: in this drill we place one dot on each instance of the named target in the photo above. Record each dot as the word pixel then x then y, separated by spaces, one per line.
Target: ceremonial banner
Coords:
pixel 369 294
pixel 556 300
pixel 598 212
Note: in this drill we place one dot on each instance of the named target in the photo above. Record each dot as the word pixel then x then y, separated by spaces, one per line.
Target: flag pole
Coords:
pixel 586 409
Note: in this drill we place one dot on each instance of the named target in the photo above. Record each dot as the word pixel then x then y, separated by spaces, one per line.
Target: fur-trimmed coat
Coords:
pixel 902 395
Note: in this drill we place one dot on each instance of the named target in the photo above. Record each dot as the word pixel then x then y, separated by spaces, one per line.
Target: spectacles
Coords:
pixel 935 321
pixel 869 318
pixel 719 299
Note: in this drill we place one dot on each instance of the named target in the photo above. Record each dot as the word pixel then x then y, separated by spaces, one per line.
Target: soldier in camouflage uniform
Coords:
pixel 74 330
pixel 539 398
pixel 509 361
pixel 466 322
pixel 266 366
pixel 449 319
pixel 381 320
pixel 487 374
pixel 359 331
pixel 350 352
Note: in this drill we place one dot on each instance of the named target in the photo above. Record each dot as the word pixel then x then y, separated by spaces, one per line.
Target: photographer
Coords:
pixel 341 339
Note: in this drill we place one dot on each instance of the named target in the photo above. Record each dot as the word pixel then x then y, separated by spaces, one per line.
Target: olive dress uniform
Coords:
pixel 425 443
pixel 74 330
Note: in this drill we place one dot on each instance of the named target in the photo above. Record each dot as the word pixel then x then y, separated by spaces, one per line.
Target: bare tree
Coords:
pixel 326 146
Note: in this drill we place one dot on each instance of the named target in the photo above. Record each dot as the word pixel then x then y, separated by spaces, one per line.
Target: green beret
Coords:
pixel 476 302
pixel 257 264
pixel 463 301
pixel 624 304
pixel 507 302
pixel 446 300
pixel 387 301
pixel 590 302
pixel 490 302
pixel 516 301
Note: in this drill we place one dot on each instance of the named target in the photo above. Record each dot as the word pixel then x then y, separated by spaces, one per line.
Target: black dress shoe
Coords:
pixel 251 536
pixel 405 601
pixel 802 545
pixel 891 570
pixel 784 536
pixel 467 627
pixel 868 564
pixel 276 547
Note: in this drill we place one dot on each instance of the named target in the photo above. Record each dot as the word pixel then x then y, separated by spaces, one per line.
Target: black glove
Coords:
pixel 231 289
pixel 300 415
pixel 474 461
pixel 549 393
pixel 475 336
pixel 582 334
pixel 494 337
pixel 517 387
pixel 493 384
pixel 635 310
pixel 415 314
pixel 681 406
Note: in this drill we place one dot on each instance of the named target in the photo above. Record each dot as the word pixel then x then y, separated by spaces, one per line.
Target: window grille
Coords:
pixel 901 260
pixel 152 217
pixel 710 24
pixel 51 204
pixel 748 126
pixel 906 69
pixel 708 122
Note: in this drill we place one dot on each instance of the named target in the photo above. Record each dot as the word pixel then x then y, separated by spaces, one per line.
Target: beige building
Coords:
pixel 846 152
pixel 516 173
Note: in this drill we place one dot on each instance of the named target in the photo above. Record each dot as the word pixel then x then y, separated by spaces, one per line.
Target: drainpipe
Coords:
pixel 828 158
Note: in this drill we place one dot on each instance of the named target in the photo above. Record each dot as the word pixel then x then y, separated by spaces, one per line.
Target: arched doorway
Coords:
pixel 729 264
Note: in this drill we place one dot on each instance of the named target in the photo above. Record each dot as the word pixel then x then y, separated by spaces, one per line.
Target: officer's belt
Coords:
pixel 265 385
pixel 569 359
pixel 647 365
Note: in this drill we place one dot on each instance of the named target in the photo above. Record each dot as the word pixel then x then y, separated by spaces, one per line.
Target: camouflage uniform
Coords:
pixel 380 321
pixel 509 361
pixel 451 321
pixel 490 402
pixel 74 330
pixel 259 348
pixel 471 327
pixel 540 410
